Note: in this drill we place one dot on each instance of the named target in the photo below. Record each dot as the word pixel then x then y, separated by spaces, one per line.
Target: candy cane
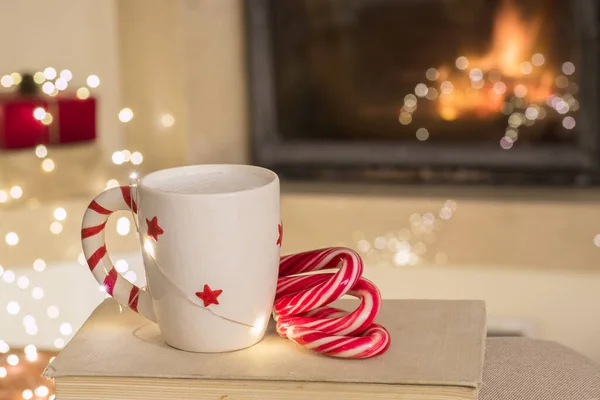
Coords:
pixel 94 249
pixel 301 303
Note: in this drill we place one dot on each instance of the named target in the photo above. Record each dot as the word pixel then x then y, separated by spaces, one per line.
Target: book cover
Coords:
pixel 434 342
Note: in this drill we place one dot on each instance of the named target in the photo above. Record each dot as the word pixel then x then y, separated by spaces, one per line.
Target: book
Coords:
pixel 437 352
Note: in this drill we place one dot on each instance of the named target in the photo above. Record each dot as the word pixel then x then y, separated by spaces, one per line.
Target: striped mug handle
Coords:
pixel 94 248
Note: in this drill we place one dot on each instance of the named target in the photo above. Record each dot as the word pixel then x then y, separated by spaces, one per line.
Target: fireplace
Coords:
pixel 483 91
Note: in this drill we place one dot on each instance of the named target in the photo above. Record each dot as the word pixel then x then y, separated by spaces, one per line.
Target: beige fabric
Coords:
pixel 527 369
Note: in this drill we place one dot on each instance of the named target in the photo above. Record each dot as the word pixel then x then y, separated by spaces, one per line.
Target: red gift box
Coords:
pixel 73 120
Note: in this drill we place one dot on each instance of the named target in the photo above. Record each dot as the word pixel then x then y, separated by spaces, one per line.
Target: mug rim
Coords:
pixel 272 177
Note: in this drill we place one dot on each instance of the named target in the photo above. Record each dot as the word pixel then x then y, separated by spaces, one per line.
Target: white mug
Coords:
pixel 211 237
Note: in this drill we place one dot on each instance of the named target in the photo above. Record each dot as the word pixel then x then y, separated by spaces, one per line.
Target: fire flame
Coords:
pixel 513 42
pixel 507 66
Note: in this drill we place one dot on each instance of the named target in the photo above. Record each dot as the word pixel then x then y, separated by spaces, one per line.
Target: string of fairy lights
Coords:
pixel 508 96
pixel 409 245
pixel 51 82
pixel 525 95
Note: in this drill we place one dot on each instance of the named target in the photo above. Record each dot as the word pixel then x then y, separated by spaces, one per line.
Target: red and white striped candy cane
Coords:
pixel 94 248
pixel 301 303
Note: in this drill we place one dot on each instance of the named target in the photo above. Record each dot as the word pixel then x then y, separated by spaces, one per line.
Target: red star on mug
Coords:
pixel 280 229
pixel 153 228
pixel 209 296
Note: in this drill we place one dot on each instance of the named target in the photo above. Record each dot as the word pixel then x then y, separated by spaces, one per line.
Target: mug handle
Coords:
pixel 94 248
